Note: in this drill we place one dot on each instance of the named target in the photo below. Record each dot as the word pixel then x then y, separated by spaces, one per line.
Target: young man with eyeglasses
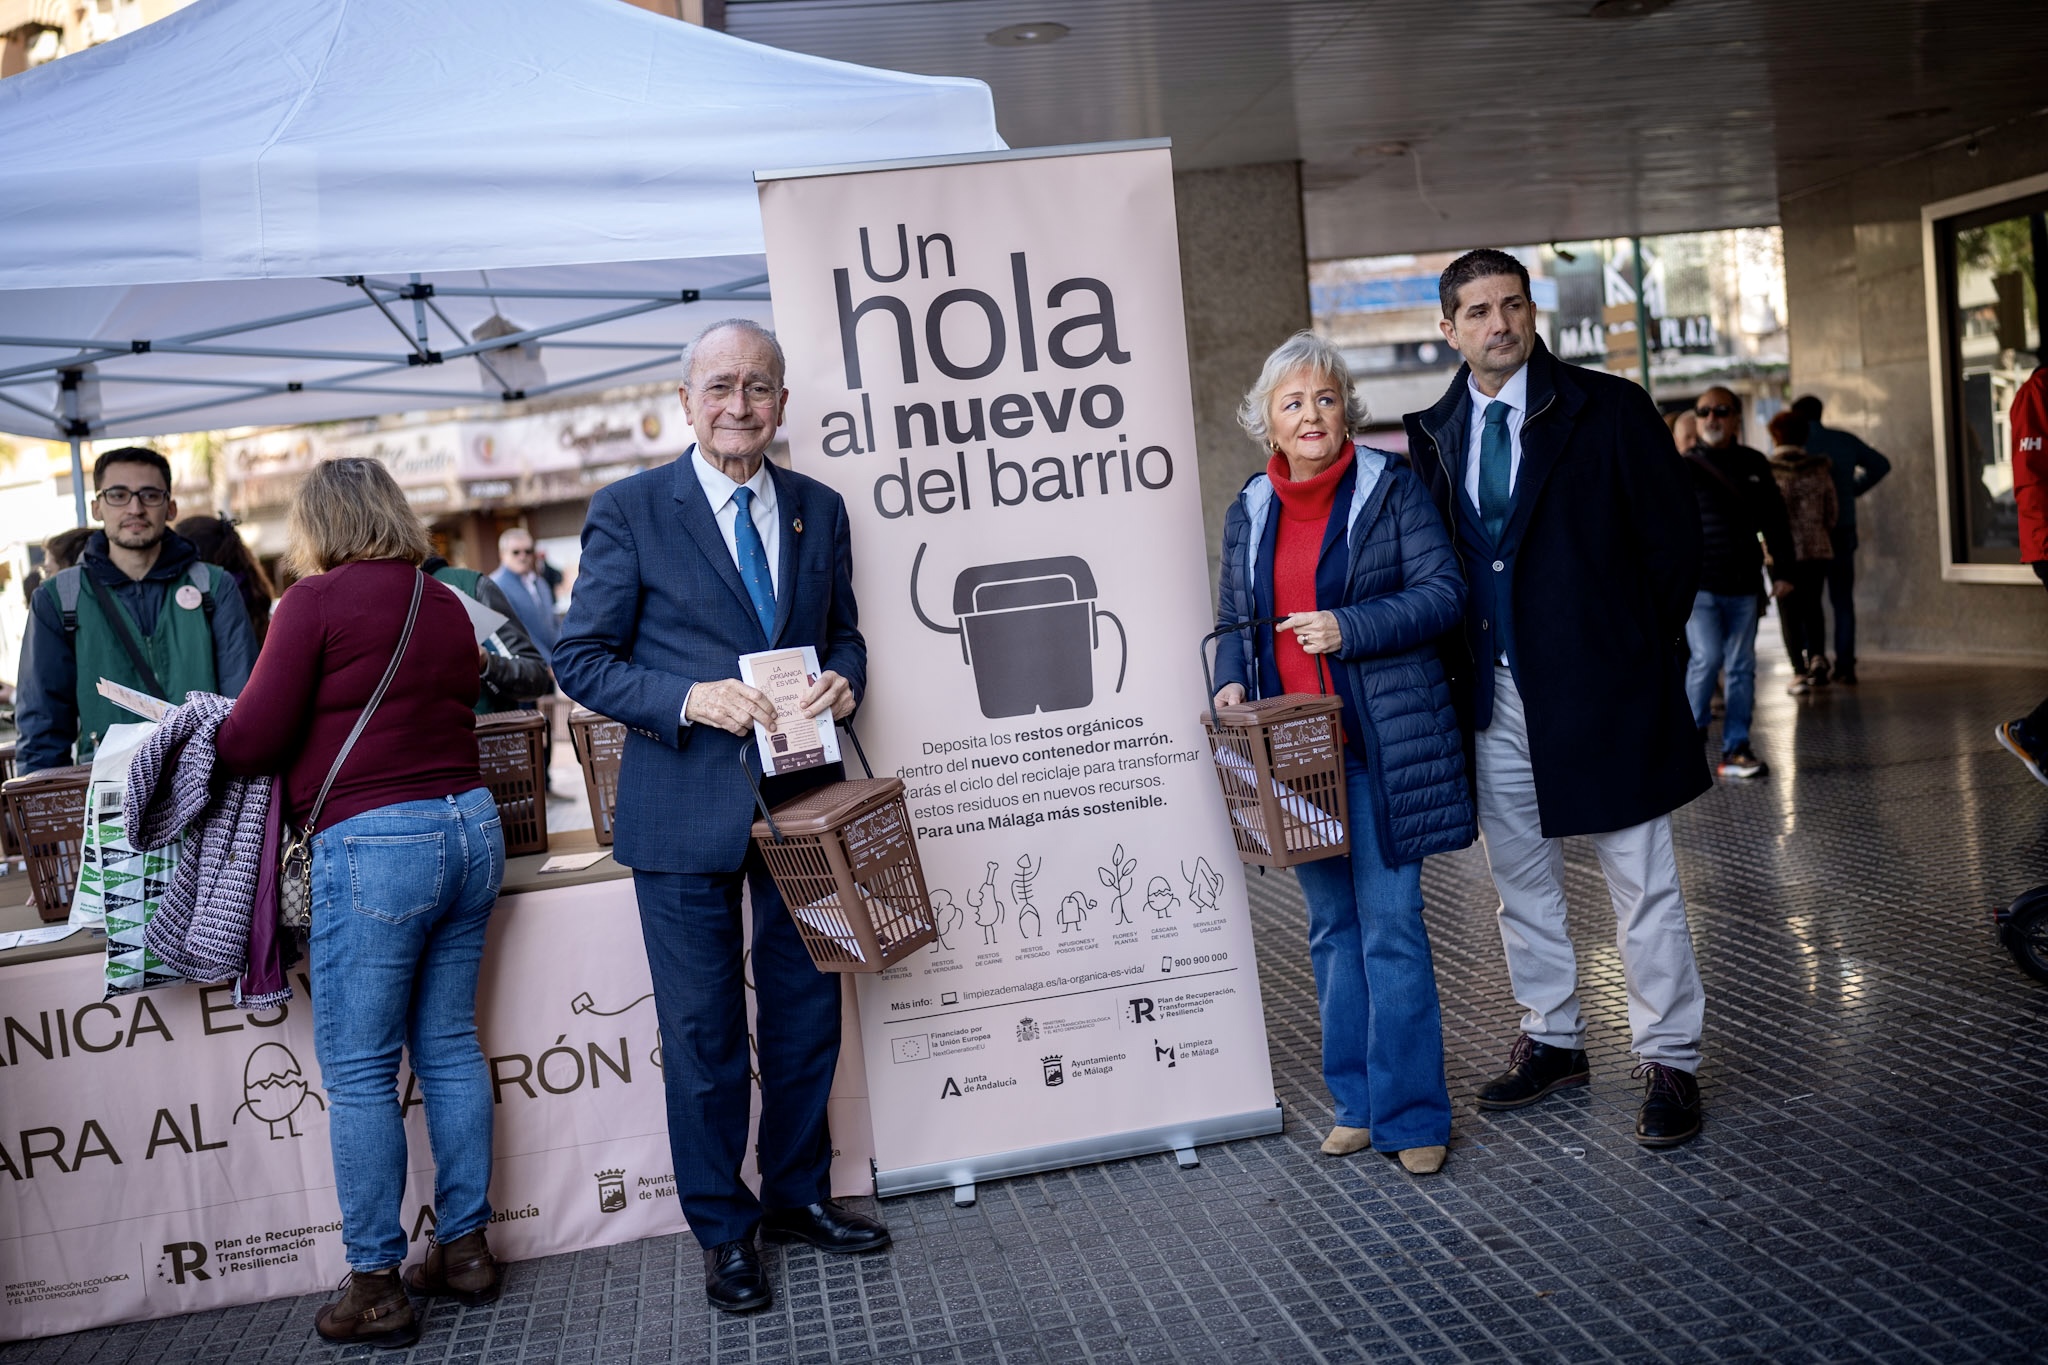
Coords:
pixel 1739 500
pixel 139 608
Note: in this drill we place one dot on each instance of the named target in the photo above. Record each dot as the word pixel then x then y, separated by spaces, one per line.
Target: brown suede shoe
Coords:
pixel 463 1270
pixel 374 1312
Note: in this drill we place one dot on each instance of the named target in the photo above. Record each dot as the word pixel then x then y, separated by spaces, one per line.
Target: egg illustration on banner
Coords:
pixel 273 1088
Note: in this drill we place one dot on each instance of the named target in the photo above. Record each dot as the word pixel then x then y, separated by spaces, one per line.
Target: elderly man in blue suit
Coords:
pixel 685 568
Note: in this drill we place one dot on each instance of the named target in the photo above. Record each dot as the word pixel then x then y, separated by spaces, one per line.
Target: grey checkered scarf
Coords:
pixel 201 925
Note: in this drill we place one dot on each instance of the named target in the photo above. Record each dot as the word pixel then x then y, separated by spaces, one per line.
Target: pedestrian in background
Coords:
pixel 219 543
pixel 2027 737
pixel 407 857
pixel 1581 550
pixel 1685 429
pixel 528 592
pixel 1341 541
pixel 1806 482
pixel 1857 469
pixel 1738 501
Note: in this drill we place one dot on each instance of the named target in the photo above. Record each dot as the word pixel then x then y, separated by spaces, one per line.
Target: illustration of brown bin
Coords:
pixel 46 813
pixel 1281 764
pixel 845 860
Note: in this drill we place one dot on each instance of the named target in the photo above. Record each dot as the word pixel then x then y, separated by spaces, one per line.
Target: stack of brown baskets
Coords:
pixel 600 743
pixel 509 749
pixel 845 860
pixel 1281 764
pixel 46 814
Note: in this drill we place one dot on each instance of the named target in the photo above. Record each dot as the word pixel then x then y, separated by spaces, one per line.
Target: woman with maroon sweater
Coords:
pixel 407 856
pixel 1341 542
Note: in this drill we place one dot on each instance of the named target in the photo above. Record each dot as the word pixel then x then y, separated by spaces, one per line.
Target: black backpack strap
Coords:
pixel 65 581
pixel 201 574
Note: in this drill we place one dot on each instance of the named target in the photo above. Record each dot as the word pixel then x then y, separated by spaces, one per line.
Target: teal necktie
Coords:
pixel 1496 457
pixel 753 557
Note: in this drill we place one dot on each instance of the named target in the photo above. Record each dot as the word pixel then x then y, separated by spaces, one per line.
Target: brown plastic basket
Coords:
pixel 600 742
pixel 1280 761
pixel 46 812
pixel 508 749
pixel 9 845
pixel 845 859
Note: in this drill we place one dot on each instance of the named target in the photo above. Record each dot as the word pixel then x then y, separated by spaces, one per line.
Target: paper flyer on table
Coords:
pixel 798 741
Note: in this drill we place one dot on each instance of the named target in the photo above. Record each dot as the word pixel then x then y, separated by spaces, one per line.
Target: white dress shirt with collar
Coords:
pixel 1515 393
pixel 718 490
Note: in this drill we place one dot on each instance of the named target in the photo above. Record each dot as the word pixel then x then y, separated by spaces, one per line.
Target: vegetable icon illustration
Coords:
pixel 1118 878
pixel 1029 630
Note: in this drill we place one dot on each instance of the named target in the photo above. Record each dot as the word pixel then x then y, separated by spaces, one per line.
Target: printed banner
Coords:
pixel 164 1152
pixel 988 361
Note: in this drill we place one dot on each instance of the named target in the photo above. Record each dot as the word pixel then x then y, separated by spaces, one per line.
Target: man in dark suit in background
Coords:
pixel 685 568
pixel 1581 548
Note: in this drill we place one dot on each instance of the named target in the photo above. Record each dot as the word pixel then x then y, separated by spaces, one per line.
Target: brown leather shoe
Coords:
pixel 374 1312
pixel 463 1270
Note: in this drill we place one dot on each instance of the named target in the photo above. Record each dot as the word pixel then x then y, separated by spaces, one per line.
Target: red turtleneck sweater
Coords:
pixel 1304 509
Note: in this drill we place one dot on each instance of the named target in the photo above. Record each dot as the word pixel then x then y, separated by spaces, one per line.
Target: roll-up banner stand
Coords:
pixel 987 359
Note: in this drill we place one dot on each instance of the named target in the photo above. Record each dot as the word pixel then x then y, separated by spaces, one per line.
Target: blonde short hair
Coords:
pixel 351 509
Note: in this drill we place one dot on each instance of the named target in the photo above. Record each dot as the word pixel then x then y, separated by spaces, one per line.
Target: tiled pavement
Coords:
pixel 1871 1185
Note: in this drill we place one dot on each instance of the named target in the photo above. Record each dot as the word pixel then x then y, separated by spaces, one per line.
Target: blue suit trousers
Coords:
pixel 691 924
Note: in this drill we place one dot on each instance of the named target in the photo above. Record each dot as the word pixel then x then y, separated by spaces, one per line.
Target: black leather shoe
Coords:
pixel 825 1226
pixel 1534 1070
pixel 1671 1110
pixel 733 1278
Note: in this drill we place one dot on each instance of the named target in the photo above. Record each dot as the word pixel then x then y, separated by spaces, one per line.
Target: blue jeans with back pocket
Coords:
pixel 401 898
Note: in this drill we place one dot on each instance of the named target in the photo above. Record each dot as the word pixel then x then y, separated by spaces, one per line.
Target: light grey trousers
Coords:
pixel 1666 1003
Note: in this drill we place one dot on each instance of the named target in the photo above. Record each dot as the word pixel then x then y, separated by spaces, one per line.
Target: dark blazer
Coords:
pixel 1602 545
pixel 658 606
pixel 1399 589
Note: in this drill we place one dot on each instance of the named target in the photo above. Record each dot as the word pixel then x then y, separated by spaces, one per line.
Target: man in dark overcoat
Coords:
pixel 1581 545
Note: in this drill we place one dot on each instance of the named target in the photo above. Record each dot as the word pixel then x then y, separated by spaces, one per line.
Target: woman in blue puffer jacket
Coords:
pixel 1342 542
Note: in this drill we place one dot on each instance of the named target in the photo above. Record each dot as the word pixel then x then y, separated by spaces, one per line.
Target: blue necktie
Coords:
pixel 753 557
pixel 1495 459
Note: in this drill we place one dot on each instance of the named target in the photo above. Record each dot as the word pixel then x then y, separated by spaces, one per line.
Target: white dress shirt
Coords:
pixel 1515 393
pixel 719 490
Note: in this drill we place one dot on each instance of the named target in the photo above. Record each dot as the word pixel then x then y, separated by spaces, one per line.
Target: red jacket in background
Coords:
pixel 2030 465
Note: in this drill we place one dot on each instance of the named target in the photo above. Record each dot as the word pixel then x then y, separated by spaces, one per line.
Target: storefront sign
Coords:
pixel 164 1152
pixel 988 361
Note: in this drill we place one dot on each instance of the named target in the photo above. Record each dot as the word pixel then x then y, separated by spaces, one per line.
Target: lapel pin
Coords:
pixel 797 526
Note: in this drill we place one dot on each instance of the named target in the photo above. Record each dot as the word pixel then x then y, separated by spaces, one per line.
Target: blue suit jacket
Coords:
pixel 537 616
pixel 659 606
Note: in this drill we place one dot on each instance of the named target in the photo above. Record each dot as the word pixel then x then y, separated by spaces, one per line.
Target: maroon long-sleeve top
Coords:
pixel 330 640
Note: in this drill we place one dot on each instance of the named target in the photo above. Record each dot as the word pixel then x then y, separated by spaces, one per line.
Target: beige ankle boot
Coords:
pixel 1344 1141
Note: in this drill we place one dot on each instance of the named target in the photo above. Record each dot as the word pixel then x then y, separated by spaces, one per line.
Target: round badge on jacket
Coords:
pixel 188 597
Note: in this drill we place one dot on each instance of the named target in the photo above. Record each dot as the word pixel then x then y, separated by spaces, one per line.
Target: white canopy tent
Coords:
pixel 272 211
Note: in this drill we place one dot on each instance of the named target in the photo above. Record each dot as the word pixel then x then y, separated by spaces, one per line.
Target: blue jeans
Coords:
pixel 1721 634
pixel 401 896
pixel 1383 1040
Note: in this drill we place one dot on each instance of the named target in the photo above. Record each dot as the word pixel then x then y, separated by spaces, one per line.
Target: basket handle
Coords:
pixel 761 803
pixel 1209 676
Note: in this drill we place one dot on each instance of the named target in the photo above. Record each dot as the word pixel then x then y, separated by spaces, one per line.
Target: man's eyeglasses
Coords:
pixel 1717 410
pixel 757 394
pixel 526 551
pixel 118 496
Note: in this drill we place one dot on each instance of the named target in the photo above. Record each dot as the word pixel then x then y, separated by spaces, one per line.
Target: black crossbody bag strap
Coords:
pixel 129 644
pixel 419 584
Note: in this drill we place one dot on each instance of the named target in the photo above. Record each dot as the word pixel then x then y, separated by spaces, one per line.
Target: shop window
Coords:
pixel 1988 260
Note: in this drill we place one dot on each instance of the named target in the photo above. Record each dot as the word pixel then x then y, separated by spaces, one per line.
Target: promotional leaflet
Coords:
pixel 987 359
pixel 798 741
